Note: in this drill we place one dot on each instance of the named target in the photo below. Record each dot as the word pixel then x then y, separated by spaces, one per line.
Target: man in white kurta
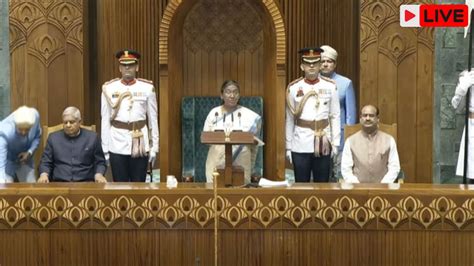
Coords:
pixel 312 121
pixel 466 80
pixel 129 112
pixel 231 116
pixel 370 155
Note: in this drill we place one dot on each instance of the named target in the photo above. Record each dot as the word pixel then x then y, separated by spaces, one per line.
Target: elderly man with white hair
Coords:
pixel 73 154
pixel 20 135
pixel 347 99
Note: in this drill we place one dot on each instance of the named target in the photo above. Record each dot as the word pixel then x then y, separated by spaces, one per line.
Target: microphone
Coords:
pixel 216 116
pixel 239 115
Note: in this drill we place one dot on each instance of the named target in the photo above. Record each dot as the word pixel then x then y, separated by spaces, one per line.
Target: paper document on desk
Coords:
pixel 269 183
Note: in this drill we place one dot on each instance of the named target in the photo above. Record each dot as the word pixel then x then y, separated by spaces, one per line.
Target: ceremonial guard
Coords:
pixel 466 81
pixel 312 120
pixel 128 105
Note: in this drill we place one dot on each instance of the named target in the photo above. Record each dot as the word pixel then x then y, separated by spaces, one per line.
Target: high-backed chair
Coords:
pixel 194 111
pixel 48 130
pixel 389 129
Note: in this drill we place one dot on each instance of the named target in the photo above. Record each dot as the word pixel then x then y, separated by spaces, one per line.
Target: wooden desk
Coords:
pixel 148 224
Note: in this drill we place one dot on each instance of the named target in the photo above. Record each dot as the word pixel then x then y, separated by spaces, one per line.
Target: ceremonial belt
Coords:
pixel 471 115
pixel 136 125
pixel 316 125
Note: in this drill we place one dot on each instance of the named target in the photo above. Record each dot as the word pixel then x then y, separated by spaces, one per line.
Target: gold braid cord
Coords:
pixel 116 106
pixel 299 108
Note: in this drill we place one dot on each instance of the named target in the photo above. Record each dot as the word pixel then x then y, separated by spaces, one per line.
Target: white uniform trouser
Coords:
pixel 470 155
pixel 24 173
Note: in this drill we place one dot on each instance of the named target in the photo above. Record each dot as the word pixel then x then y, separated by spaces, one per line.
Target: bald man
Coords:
pixel 73 154
pixel 370 155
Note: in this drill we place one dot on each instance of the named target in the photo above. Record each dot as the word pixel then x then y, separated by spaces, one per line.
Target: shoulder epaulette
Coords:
pixel 327 79
pixel 293 82
pixel 145 80
pixel 110 81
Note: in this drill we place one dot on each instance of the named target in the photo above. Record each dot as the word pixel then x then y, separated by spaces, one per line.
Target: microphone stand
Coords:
pixel 215 174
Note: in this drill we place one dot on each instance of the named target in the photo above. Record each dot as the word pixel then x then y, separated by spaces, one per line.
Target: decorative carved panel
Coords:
pixel 417 207
pixel 448 114
pixel 396 74
pixel 221 26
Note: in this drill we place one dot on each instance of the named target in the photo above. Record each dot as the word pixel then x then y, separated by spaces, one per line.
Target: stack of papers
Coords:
pixel 269 183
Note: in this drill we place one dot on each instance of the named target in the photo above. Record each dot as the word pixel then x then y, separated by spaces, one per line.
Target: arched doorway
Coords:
pixel 202 43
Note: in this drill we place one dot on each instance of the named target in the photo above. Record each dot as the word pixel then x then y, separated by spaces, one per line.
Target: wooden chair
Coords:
pixel 48 130
pixel 389 129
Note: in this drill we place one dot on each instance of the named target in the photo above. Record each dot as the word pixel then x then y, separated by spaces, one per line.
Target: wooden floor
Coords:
pixel 148 224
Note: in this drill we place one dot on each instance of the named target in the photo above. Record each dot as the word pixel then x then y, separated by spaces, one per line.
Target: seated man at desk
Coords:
pixel 231 116
pixel 73 154
pixel 370 155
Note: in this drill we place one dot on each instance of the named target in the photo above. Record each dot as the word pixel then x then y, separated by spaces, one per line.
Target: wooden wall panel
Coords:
pixel 124 24
pixel 47 52
pixel 239 55
pixel 396 74
pixel 204 72
pixel 315 23
pixel 251 247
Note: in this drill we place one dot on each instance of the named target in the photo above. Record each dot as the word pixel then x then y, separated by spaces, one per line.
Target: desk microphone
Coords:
pixel 239 115
pixel 216 116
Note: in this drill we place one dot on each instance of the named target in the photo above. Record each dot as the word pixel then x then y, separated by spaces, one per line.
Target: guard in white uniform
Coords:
pixel 466 80
pixel 129 113
pixel 312 120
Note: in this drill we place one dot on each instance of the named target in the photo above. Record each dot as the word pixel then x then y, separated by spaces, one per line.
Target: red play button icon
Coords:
pixel 409 15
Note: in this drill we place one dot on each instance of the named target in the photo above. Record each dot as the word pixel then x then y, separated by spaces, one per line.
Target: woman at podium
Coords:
pixel 230 116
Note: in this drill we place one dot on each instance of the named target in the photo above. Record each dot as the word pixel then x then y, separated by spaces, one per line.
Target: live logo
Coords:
pixel 444 15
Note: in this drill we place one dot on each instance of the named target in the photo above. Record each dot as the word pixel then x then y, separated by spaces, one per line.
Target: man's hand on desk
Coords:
pixel 99 178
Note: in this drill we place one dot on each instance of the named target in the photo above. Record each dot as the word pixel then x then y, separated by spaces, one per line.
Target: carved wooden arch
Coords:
pixel 272 9
pixel 171 86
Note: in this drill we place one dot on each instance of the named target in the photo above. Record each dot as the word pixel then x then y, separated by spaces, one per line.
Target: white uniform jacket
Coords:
pixel 324 105
pixel 139 106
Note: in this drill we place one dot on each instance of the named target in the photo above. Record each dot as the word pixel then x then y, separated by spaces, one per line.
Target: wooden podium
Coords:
pixel 229 175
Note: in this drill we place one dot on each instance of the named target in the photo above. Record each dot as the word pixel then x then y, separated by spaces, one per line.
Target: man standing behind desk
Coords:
pixel 20 135
pixel 312 120
pixel 72 154
pixel 347 101
pixel 127 104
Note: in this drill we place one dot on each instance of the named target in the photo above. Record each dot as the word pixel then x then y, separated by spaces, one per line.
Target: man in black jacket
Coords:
pixel 73 154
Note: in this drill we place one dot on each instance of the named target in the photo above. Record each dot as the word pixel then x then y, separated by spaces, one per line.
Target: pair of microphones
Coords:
pixel 239 116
